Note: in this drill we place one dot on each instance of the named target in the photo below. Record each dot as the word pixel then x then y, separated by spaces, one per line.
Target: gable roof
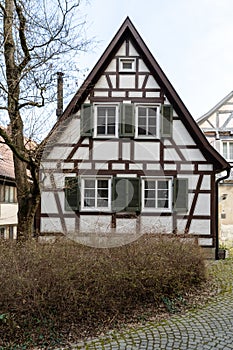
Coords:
pixel 215 108
pixel 128 31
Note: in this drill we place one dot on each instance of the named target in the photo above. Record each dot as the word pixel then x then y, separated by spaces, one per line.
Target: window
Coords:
pixel 8 194
pixel 156 194
pixel 95 193
pixel 127 65
pixel 227 150
pixel 147 118
pixel 106 121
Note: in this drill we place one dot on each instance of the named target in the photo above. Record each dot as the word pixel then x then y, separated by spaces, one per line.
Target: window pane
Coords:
pixel 101 111
pixel 89 183
pixel 103 193
pixel 127 65
pixel 224 149
pixel 111 111
pixel 149 184
pixel 89 193
pixel 152 131
pixel 149 203
pixel 102 203
pixel 142 111
pixel 152 112
pixel 162 184
pixel 231 150
pixel 162 203
pixel 149 193
pixel 89 202
pixel 102 183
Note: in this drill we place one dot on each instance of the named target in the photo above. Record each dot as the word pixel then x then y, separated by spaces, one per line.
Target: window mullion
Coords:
pixel 96 193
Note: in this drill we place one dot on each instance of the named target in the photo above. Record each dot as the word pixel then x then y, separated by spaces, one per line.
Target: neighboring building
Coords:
pixel 127 158
pixel 217 125
pixel 8 200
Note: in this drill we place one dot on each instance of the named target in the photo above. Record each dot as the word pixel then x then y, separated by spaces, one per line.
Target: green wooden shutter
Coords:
pixel 71 193
pixel 126 194
pixel 127 120
pixel 134 185
pixel 180 198
pixel 86 125
pixel 166 120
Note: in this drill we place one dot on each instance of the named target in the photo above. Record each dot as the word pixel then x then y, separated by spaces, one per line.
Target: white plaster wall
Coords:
pixel 152 83
pixel 206 183
pixel 181 224
pixel 127 81
pixel 205 241
pixel 200 227
pixel 51 225
pixel 95 224
pixel 132 50
pixel 122 50
pixel 126 151
pixel 48 203
pixel 203 204
pixel 71 133
pixel 156 224
pixel 205 167
pixel 141 79
pixel 146 151
pixel 171 154
pixel 102 83
pixel 142 67
pixel 112 66
pixel 125 226
pixel 180 134
pixel 192 154
pixel 59 152
pixel 81 153
pixel 8 213
pixel 107 150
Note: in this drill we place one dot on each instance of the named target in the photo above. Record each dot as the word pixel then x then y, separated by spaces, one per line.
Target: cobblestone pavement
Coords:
pixel 210 327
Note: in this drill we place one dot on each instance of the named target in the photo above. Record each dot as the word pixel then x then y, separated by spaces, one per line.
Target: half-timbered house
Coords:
pixel 217 125
pixel 127 158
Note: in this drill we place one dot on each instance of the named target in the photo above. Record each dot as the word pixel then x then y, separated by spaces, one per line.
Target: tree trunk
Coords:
pixel 26 169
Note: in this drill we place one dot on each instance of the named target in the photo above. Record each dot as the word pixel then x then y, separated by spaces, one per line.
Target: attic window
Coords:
pixel 127 65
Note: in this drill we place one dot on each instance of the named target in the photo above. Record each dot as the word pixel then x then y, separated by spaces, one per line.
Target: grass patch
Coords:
pixel 52 293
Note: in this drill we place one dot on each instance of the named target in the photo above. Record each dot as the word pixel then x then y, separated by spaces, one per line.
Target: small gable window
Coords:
pixel 127 65
pixel 147 121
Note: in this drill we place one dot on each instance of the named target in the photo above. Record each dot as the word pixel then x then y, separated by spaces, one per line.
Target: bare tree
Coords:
pixel 35 37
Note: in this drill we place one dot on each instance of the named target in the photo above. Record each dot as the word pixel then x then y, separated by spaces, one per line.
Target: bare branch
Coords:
pixel 23 41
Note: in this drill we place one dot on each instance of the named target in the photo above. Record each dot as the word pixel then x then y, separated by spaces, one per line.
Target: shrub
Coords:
pixel 51 290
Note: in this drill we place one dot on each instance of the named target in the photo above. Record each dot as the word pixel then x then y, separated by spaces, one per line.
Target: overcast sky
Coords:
pixel 192 40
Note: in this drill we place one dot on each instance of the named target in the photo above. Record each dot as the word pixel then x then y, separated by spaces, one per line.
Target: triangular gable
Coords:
pixel 128 31
pixel 215 108
pixel 220 117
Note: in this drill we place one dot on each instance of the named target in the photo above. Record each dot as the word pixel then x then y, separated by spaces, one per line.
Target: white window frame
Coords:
pixel 228 149
pixel 96 178
pixel 116 135
pixel 137 106
pixel 155 178
pixel 123 60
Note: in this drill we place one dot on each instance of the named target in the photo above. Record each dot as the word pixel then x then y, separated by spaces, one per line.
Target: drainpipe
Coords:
pixel 59 110
pixel 217 210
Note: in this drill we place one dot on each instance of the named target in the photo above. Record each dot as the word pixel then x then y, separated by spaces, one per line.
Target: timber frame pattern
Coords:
pixel 184 153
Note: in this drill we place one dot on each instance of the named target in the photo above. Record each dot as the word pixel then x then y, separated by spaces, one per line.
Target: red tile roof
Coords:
pixel 6 161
